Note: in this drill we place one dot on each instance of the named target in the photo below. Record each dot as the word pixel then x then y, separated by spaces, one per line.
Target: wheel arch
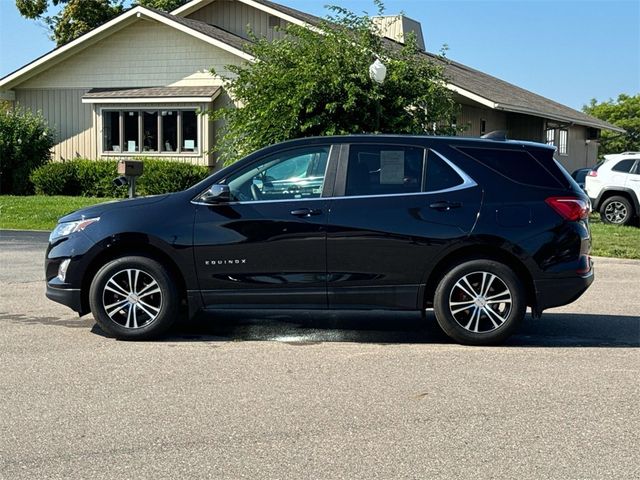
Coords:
pixel 126 245
pixel 618 192
pixel 478 252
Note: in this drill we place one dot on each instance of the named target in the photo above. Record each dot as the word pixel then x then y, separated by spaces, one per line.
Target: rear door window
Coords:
pixel 384 170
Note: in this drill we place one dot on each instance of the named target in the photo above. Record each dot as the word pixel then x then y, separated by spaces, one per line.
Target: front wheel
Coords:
pixel 479 302
pixel 134 298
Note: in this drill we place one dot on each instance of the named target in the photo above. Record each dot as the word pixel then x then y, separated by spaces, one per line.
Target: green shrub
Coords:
pixel 55 179
pixel 161 176
pixel 94 178
pixel 25 144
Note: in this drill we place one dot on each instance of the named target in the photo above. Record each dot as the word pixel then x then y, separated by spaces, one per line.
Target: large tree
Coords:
pixel 316 82
pixel 77 17
pixel 624 113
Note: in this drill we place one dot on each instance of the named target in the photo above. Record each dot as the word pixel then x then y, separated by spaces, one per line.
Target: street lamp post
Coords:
pixel 378 73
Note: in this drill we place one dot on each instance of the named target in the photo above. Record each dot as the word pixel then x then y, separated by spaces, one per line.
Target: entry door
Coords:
pixel 401 207
pixel 268 245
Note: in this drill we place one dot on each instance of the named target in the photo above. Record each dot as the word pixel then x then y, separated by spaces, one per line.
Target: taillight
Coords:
pixel 593 173
pixel 569 208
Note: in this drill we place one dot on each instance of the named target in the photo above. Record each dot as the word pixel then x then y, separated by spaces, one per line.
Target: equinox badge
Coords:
pixel 237 261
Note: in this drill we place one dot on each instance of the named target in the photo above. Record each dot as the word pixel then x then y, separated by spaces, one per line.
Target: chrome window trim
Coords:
pixel 467 182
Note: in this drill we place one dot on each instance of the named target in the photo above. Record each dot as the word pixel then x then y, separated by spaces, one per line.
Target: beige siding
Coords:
pixel 144 54
pixel 78 126
pixel 580 154
pixel 64 111
pixel 525 127
pixel 470 118
pixel 236 17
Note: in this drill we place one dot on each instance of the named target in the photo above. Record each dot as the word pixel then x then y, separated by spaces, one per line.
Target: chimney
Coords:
pixel 396 27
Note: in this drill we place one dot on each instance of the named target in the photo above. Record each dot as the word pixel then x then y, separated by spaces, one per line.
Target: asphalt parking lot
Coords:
pixel 306 395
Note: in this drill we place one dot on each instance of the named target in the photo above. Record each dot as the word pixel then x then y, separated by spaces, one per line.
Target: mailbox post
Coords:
pixel 131 169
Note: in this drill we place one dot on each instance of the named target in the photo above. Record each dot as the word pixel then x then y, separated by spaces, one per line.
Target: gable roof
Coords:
pixel 473 84
pixel 286 13
pixel 208 33
pixel 500 95
pixel 470 83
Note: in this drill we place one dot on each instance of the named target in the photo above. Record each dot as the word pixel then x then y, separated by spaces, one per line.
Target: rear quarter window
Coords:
pixel 517 165
pixel 624 166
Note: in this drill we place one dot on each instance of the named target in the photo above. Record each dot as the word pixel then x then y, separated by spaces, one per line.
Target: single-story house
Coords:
pixel 134 85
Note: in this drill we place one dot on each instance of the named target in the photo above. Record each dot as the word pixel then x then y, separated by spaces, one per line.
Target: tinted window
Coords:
pixel 516 165
pixel 384 169
pixel 623 166
pixel 294 174
pixel 580 175
pixel 440 176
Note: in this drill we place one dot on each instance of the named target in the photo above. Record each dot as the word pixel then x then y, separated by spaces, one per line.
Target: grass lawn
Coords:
pixel 42 213
pixel 39 212
pixel 614 241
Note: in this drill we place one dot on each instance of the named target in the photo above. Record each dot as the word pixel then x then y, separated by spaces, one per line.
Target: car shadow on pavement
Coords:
pixel 306 328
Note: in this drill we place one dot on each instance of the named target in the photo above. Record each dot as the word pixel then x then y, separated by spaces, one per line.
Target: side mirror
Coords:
pixel 216 194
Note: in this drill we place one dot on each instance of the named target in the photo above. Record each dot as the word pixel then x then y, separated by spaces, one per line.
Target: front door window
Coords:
pixel 293 175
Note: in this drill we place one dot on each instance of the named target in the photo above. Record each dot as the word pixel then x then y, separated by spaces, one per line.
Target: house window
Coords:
pixel 169 141
pixel 139 131
pixel 189 131
pixel 111 131
pixel 150 131
pixel 131 132
pixel 551 136
pixel 483 127
pixel 563 141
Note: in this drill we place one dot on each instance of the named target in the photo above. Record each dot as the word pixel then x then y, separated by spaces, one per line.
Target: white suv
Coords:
pixel 614 189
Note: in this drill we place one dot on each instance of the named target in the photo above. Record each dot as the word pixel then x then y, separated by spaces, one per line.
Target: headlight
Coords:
pixel 67 228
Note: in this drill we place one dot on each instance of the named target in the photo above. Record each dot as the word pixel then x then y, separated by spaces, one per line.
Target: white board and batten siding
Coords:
pixel 144 54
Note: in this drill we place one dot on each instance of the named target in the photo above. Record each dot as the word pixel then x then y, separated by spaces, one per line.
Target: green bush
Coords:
pixel 94 178
pixel 55 179
pixel 161 176
pixel 25 144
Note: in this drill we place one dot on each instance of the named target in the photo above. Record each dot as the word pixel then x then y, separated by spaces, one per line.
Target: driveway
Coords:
pixel 309 395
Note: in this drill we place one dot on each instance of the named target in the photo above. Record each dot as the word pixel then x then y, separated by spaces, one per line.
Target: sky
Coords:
pixel 569 51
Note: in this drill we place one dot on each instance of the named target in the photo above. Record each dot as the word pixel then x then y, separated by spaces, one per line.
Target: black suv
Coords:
pixel 475 229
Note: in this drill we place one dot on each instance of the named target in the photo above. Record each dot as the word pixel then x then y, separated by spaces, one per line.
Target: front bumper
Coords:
pixel 70 297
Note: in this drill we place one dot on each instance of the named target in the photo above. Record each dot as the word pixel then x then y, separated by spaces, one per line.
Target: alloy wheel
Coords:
pixel 480 302
pixel 616 212
pixel 132 298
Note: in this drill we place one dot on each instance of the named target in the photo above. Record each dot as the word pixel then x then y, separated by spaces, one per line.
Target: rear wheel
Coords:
pixel 134 298
pixel 479 302
pixel 617 211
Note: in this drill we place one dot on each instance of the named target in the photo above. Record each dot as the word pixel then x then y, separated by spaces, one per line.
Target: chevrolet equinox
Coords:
pixel 476 229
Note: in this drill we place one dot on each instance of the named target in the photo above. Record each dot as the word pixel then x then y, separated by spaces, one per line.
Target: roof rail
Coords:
pixel 496 135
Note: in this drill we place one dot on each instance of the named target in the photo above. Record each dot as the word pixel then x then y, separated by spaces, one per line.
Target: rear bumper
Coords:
pixel 561 291
pixel 71 297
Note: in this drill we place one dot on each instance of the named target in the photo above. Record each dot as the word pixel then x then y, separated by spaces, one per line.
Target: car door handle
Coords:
pixel 445 206
pixel 306 212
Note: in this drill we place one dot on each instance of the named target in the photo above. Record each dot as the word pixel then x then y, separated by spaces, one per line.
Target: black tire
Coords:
pixel 489 317
pixel 616 211
pixel 143 312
